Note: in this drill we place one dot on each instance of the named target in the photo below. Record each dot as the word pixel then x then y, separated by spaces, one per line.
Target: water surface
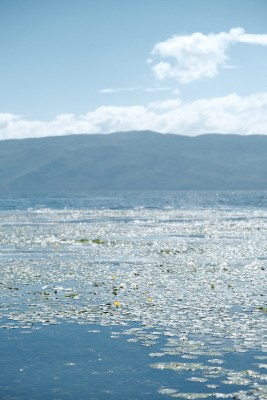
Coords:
pixel 133 295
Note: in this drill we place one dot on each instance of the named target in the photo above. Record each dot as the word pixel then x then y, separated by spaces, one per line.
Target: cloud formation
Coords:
pixel 135 89
pixel 227 114
pixel 118 90
pixel 197 56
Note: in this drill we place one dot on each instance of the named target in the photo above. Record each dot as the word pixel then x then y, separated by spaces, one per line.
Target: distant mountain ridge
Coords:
pixel 133 161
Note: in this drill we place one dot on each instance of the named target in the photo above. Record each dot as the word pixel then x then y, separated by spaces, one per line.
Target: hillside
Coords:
pixel 133 161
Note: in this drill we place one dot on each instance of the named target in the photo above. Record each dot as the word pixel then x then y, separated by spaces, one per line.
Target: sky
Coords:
pixel 99 66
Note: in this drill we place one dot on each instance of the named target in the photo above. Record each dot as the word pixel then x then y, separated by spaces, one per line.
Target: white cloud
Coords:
pixel 107 90
pixel 227 114
pixel 197 56
pixel 135 89
pixel 172 104
pixel 118 90
pixel 158 89
pixel 252 38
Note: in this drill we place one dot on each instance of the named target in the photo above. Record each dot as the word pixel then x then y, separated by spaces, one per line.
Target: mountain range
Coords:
pixel 140 160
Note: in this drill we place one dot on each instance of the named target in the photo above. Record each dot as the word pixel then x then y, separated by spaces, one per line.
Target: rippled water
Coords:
pixel 180 277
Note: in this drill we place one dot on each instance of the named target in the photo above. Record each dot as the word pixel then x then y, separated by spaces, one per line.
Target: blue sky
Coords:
pixel 87 66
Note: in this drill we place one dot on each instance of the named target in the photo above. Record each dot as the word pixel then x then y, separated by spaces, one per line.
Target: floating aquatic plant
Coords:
pixel 262 309
pixel 83 240
pixel 71 295
pixel 98 241
pixel 159 280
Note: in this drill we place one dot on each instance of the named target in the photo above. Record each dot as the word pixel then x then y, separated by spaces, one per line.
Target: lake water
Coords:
pixel 133 295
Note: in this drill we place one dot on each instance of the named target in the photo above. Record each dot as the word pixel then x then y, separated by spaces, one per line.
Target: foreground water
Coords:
pixel 133 295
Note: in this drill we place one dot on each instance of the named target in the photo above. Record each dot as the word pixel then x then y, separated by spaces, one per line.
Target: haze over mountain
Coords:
pixel 133 161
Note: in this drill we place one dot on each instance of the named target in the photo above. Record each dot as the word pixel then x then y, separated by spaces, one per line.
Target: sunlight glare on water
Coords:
pixel 187 280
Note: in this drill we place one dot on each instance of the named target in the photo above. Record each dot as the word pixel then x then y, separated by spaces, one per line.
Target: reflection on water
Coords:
pixel 175 284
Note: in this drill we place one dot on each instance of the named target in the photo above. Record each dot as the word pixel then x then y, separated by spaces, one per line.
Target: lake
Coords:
pixel 137 295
